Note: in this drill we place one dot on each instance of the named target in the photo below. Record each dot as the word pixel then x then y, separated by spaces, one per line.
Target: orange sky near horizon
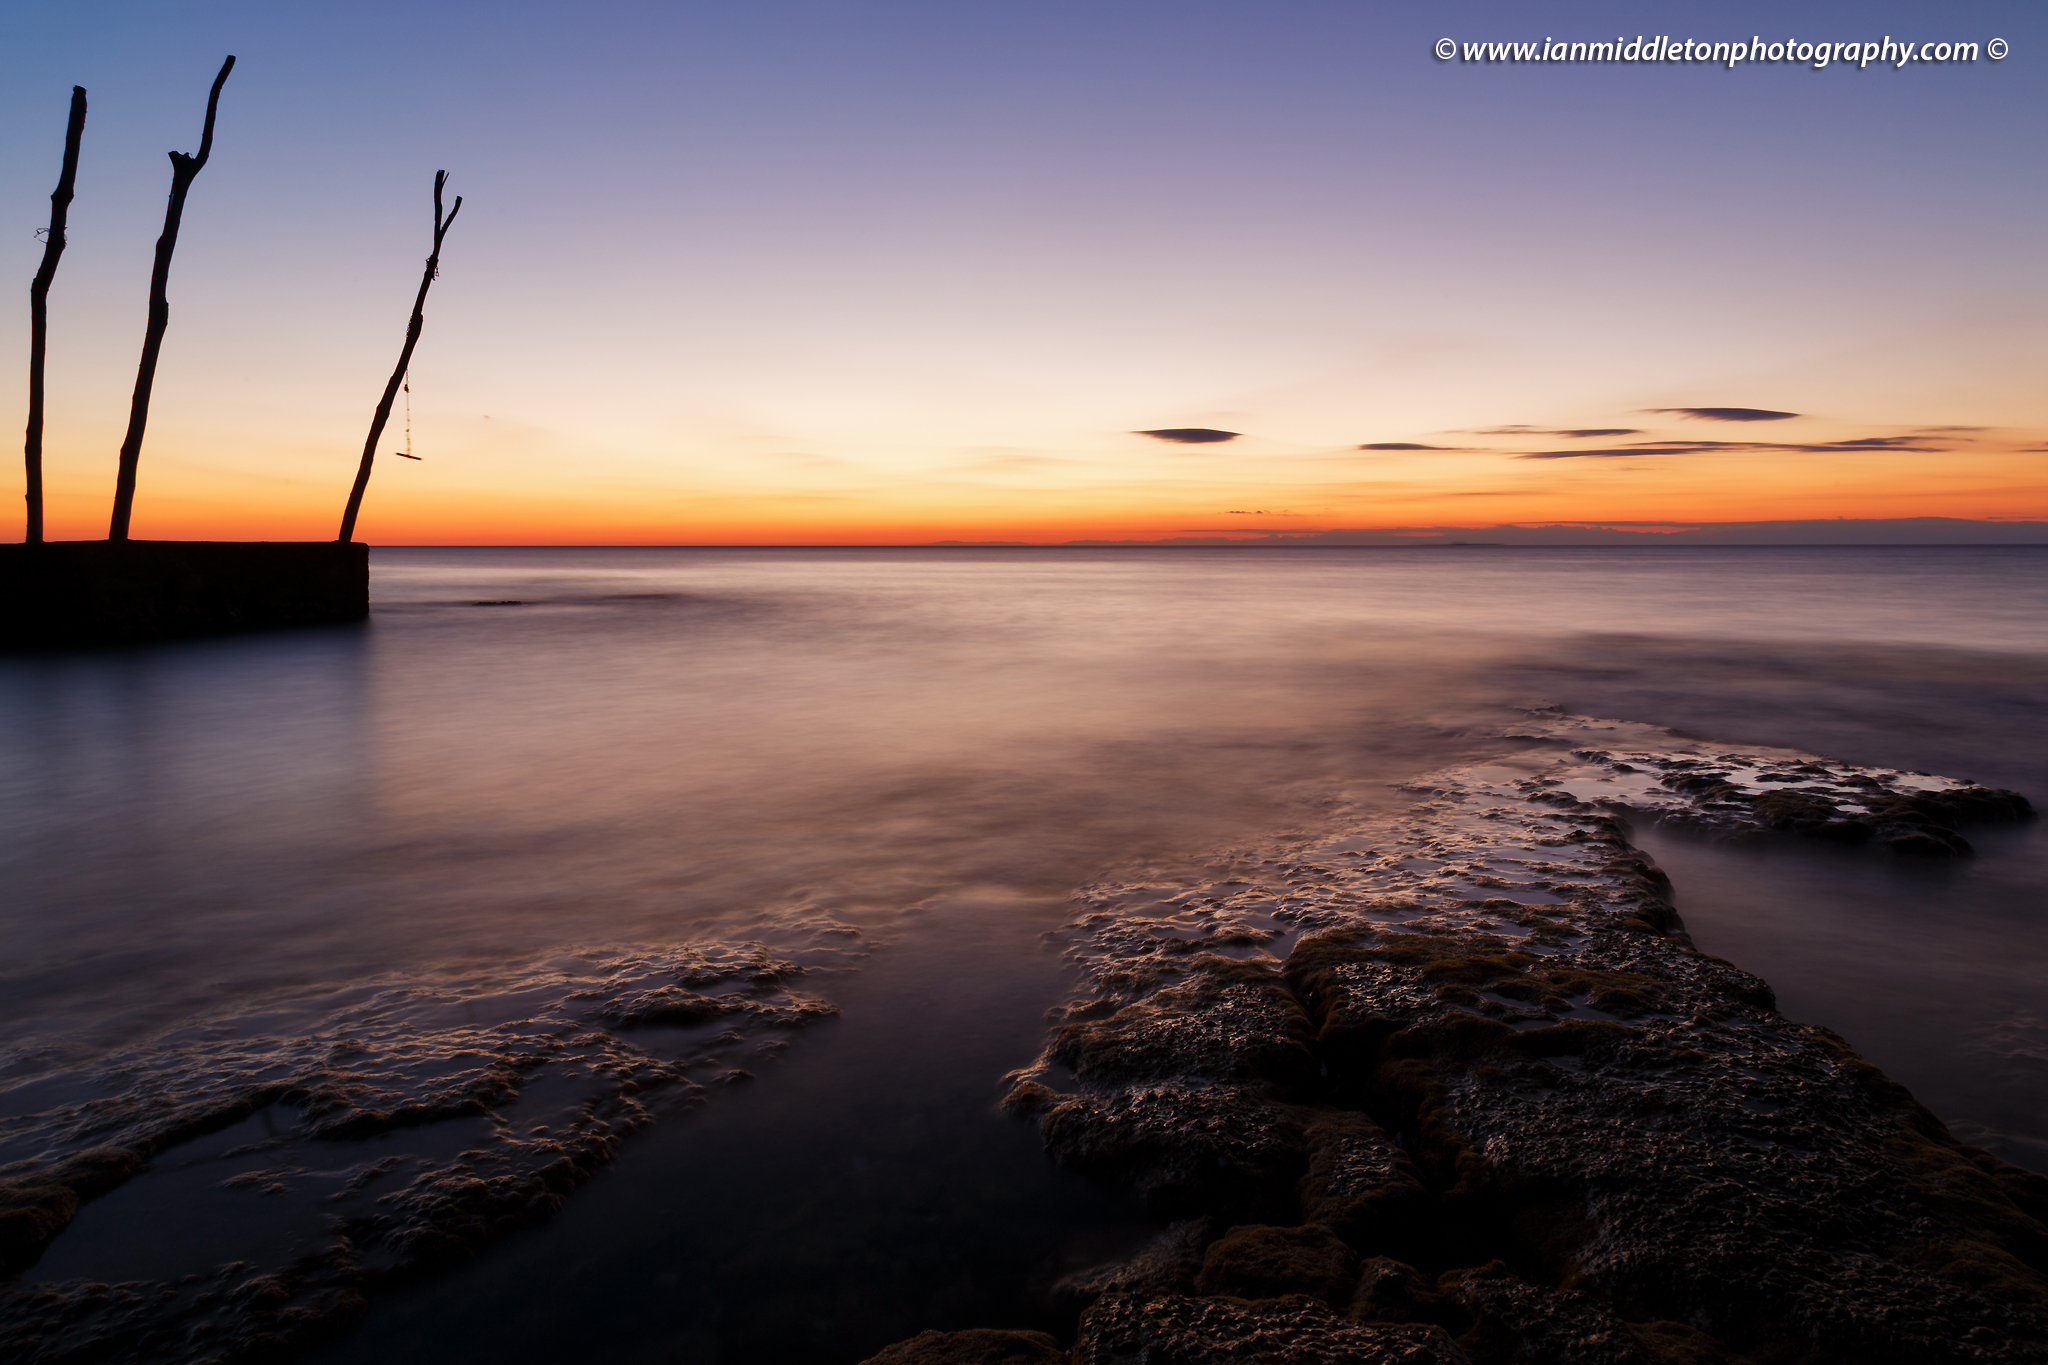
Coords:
pixel 1128 487
pixel 716 283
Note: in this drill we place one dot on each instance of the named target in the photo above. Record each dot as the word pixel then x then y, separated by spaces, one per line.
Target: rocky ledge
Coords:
pixel 358 1135
pixel 1456 1087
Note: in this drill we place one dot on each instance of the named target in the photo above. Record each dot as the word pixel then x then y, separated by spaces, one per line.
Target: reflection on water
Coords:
pixel 655 744
pixel 660 745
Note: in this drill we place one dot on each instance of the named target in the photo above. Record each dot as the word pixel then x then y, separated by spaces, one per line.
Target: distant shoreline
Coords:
pixel 1415 543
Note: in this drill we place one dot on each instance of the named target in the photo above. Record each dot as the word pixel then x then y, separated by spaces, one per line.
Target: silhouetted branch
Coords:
pixel 184 170
pixel 39 311
pixel 412 337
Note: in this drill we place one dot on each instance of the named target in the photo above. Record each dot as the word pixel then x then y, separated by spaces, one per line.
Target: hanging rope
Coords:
pixel 407 452
pixel 400 370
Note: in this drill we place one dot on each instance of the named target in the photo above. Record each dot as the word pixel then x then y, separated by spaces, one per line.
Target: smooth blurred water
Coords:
pixel 938 745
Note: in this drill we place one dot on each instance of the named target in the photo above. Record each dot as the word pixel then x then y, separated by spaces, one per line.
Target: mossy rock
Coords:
pixel 1359 1183
pixel 1478 969
pixel 1394 1291
pixel 976 1346
pixel 33 1209
pixel 27 1228
pixel 1262 1262
pixel 1172 1329
pixel 1674 1343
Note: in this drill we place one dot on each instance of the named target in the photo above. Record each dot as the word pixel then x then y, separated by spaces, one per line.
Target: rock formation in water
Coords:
pixel 1739 791
pixel 386 1130
pixel 1456 1087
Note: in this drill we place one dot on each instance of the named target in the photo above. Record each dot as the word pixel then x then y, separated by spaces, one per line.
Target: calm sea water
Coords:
pixel 657 745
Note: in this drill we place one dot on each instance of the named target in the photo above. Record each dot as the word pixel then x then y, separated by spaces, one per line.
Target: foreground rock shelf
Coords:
pixel 1457 1087
pixel 362 1135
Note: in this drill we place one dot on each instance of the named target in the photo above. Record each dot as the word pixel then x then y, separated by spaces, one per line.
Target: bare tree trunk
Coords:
pixel 39 312
pixel 184 170
pixel 412 337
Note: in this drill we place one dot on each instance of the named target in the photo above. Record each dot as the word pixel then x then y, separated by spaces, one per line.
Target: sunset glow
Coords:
pixel 791 275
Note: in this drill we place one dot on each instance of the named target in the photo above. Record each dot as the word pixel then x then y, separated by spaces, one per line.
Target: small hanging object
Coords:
pixel 404 366
pixel 407 454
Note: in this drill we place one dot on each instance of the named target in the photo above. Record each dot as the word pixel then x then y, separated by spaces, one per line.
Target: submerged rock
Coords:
pixel 1174 1329
pixel 1456 1086
pixel 1359 1182
pixel 977 1346
pixel 1169 1264
pixel 1258 1262
pixel 381 1130
pixel 1738 790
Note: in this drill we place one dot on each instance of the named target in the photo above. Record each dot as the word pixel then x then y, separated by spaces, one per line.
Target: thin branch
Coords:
pixel 184 169
pixel 39 312
pixel 412 337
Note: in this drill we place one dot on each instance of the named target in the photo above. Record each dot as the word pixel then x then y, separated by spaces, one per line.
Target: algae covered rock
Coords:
pixel 1190 1149
pixel 1169 1264
pixel 1391 1291
pixel 1492 1051
pixel 1708 1162
pixel 1252 1261
pixel 977 1346
pixel 1124 1329
pixel 393 1127
pixel 1537 1325
pixel 1500 1317
pixel 1359 1182
pixel 1230 1021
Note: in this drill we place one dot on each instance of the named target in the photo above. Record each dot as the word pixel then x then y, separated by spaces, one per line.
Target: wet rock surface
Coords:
pixel 1170 1264
pixel 1177 1330
pixel 976 1346
pixel 1454 1085
pixel 1737 790
pixel 336 1141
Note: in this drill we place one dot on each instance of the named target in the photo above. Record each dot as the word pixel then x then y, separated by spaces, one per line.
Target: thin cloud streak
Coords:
pixel 1729 414
pixel 1866 445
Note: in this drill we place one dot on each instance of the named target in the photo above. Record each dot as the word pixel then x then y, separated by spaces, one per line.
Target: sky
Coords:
pixel 901 271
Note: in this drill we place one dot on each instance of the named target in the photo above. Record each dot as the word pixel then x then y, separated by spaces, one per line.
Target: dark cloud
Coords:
pixel 1728 414
pixel 1866 444
pixel 1405 445
pixel 1597 431
pixel 1190 436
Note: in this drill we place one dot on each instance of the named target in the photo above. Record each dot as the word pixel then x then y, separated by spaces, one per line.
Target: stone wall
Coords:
pixel 98 592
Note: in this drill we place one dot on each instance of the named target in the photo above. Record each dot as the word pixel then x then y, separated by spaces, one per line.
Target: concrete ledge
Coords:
pixel 98 592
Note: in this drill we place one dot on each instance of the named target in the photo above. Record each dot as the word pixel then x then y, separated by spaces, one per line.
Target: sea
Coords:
pixel 899 766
